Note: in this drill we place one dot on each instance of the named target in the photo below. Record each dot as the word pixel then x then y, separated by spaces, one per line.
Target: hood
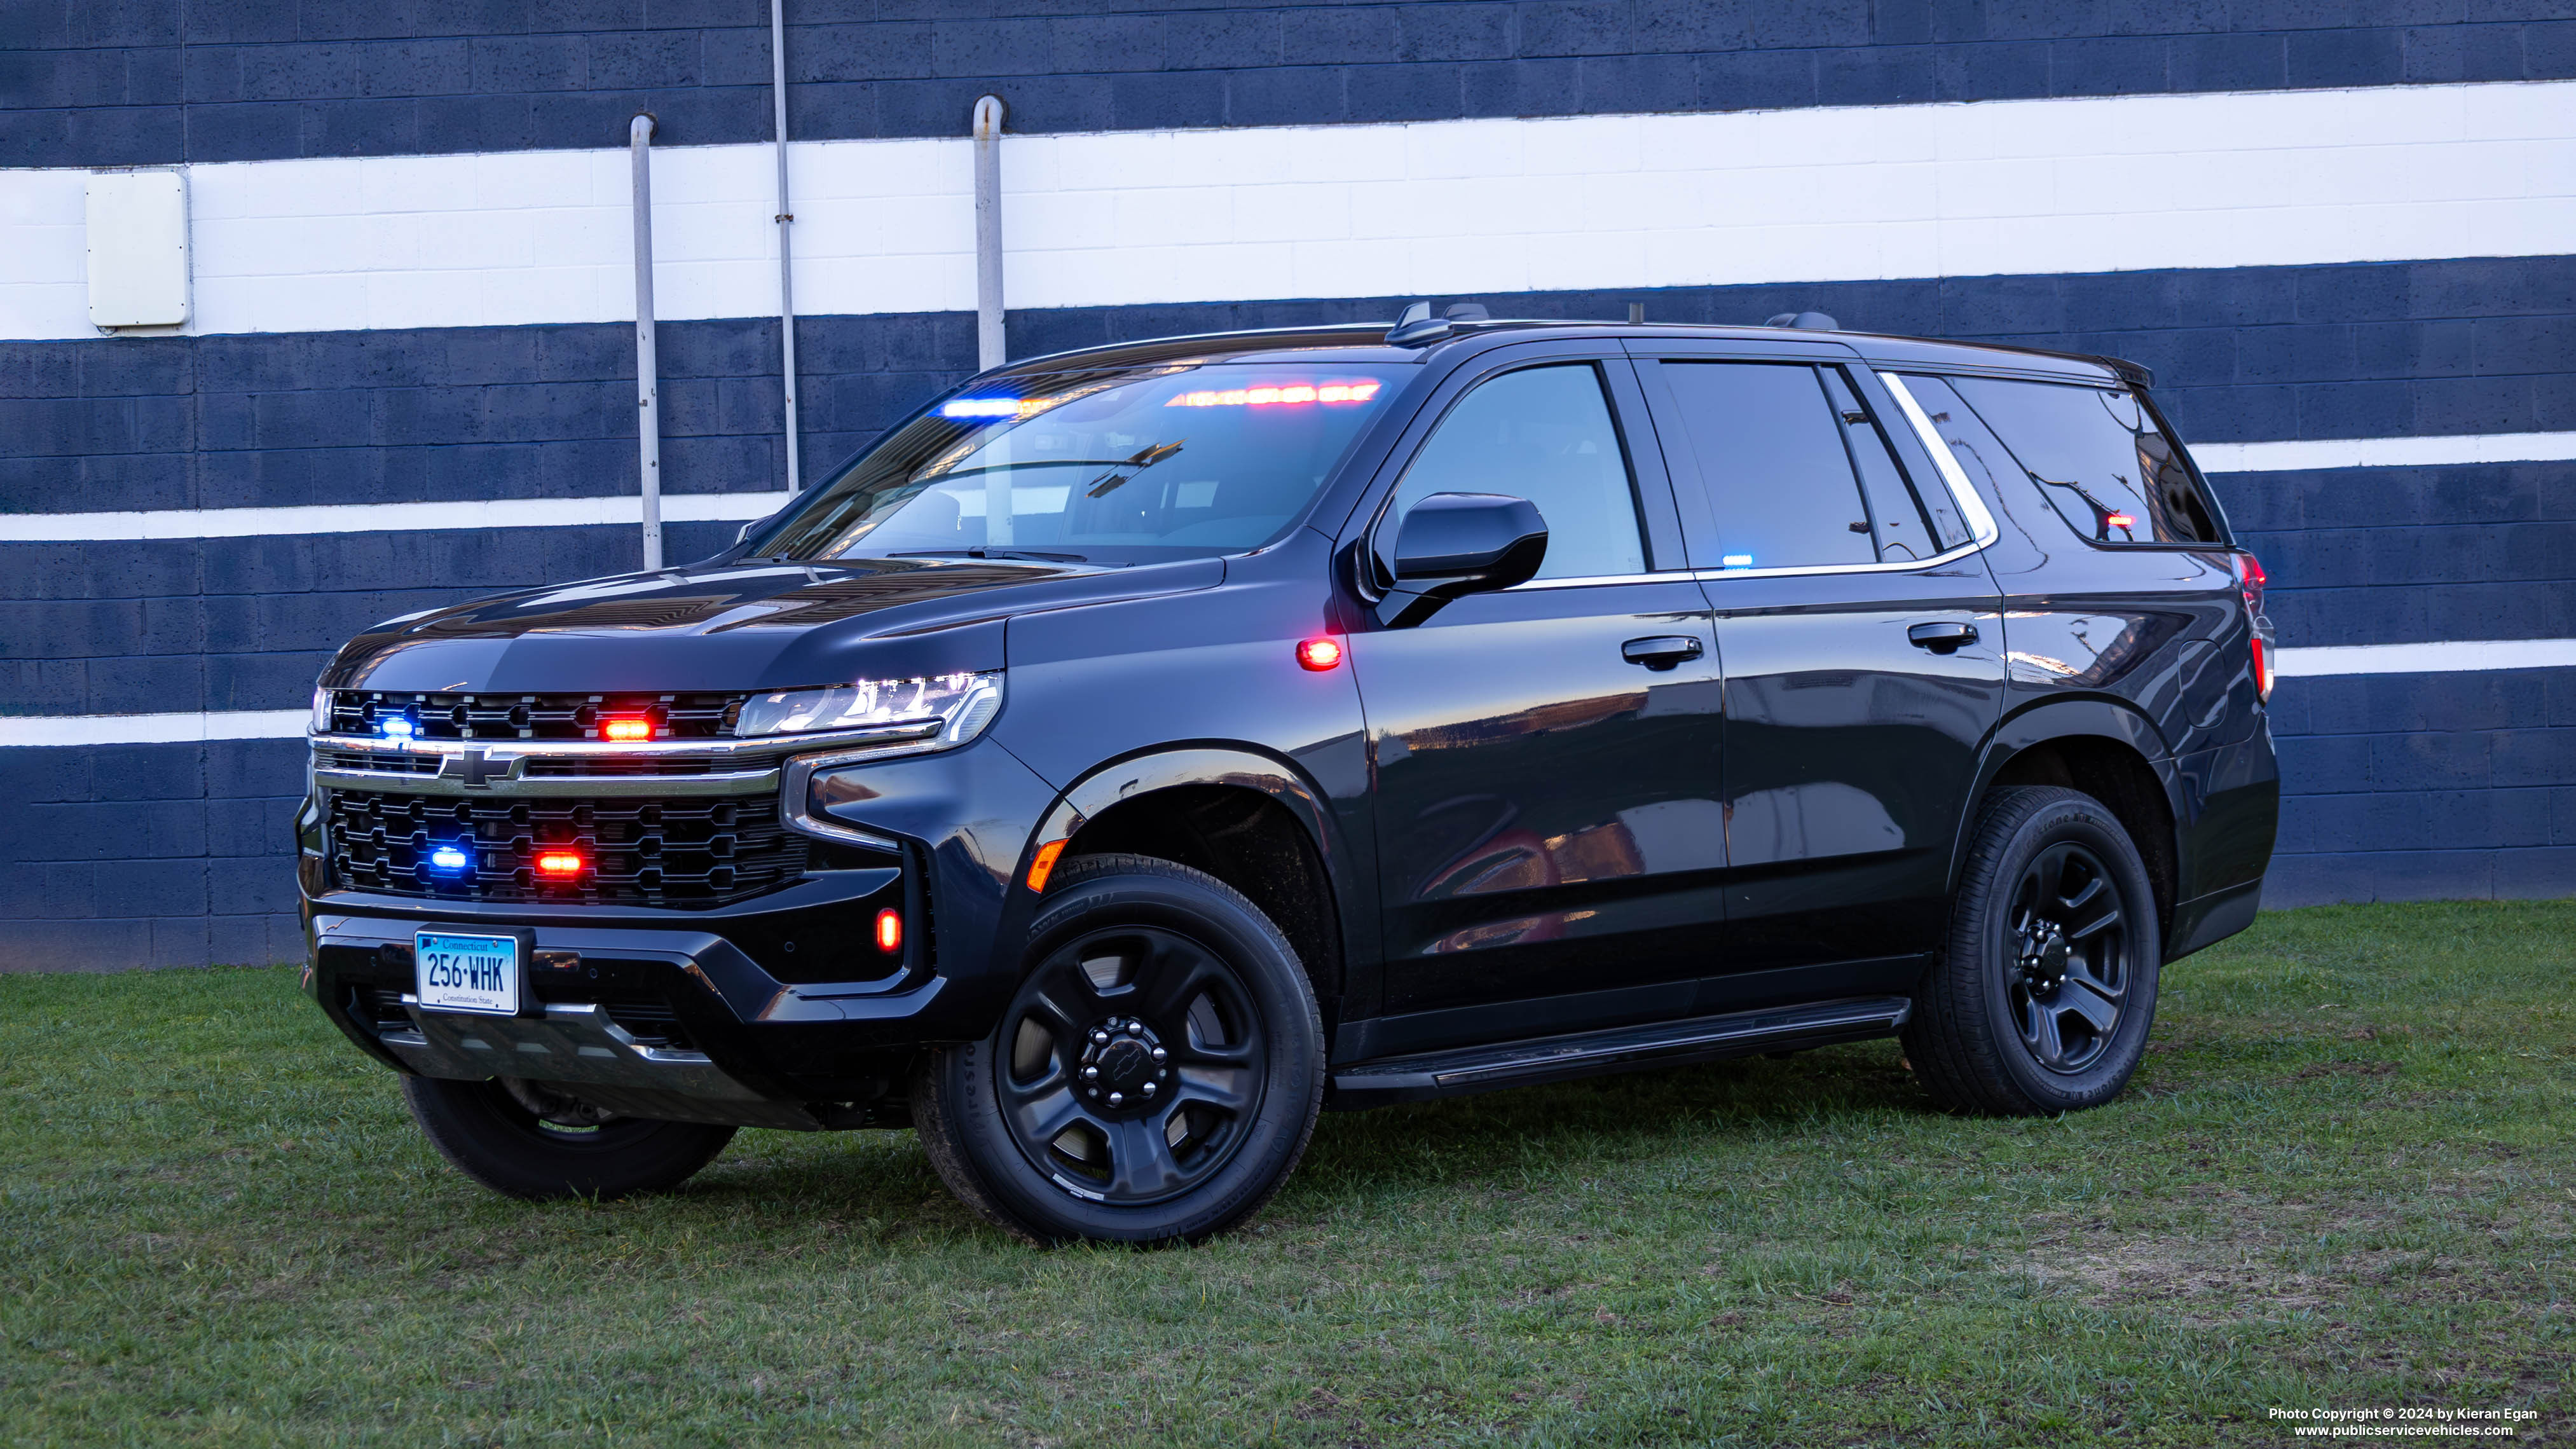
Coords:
pixel 758 624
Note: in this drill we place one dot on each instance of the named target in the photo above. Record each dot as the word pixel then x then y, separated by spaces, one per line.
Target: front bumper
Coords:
pixel 717 1014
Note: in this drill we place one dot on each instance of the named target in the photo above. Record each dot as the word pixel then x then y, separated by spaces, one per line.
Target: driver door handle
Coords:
pixel 1946 637
pixel 1661 652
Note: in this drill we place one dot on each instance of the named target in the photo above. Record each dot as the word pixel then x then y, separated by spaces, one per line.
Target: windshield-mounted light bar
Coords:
pixel 1285 394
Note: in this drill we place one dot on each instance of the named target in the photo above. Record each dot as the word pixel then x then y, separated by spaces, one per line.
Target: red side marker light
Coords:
pixel 1319 654
pixel 2118 520
pixel 889 930
pixel 559 863
pixel 626 729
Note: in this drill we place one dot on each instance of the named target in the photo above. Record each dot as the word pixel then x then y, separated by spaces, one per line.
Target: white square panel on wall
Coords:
pixel 138 249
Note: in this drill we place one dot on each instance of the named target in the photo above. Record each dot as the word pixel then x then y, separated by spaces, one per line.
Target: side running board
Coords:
pixel 1663 1043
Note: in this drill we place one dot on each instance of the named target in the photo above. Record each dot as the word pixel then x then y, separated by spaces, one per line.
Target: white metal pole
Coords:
pixel 785 218
pixel 990 112
pixel 639 145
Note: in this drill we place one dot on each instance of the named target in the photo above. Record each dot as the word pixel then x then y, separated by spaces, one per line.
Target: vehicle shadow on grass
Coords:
pixel 1358 1157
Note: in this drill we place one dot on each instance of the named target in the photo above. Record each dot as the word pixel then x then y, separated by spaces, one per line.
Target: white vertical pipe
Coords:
pixel 989 115
pixel 785 218
pixel 639 145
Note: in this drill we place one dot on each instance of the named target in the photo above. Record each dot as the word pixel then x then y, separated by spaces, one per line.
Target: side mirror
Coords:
pixel 1454 544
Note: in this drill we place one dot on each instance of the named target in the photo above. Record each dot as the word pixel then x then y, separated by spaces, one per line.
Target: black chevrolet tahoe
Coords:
pixel 1140 749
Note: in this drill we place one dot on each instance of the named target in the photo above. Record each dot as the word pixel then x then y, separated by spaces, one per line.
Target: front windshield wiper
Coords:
pixel 1129 467
pixel 979 552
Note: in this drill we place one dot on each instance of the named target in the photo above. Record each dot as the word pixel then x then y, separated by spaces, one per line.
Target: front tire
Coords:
pixel 1155 1078
pixel 2042 1000
pixel 526 1140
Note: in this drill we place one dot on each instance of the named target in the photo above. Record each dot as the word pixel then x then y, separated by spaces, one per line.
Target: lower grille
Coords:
pixel 684 852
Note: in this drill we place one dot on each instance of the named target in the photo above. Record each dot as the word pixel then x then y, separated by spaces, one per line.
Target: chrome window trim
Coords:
pixel 1952 555
pixel 1580 581
pixel 796 793
pixel 1972 506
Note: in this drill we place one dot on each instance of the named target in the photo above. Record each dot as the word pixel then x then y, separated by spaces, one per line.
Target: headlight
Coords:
pixel 952 708
pixel 321 710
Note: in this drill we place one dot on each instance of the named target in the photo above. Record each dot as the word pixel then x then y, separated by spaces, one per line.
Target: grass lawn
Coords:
pixel 2345 1178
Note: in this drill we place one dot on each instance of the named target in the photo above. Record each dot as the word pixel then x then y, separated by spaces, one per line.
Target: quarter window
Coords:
pixel 2097 456
pixel 1544 434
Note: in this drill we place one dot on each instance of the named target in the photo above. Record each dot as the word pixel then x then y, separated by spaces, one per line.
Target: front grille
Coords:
pixel 684 852
pixel 532 716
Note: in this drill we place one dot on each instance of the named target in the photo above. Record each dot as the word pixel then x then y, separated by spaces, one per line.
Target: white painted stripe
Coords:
pixel 2385 452
pixel 1432 208
pixel 268 724
pixel 153 729
pixel 2448 658
pixel 738 507
pixel 381 517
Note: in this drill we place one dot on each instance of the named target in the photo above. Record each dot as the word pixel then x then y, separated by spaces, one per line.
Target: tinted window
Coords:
pixel 2097 457
pixel 1543 434
pixel 1906 530
pixel 1769 450
pixel 1116 467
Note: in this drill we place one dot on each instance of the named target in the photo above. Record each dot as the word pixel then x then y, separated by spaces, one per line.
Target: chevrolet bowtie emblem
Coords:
pixel 476 769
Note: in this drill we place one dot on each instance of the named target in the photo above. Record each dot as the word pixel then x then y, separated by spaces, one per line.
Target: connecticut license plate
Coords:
pixel 467 973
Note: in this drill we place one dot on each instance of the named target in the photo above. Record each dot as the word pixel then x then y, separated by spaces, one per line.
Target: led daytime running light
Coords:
pixel 960 704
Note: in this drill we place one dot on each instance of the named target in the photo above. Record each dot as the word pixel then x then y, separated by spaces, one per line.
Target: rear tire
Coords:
pixel 1155 1078
pixel 2046 990
pixel 494 1135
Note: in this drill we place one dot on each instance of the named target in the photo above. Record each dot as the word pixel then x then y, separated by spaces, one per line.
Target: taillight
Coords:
pixel 2250 578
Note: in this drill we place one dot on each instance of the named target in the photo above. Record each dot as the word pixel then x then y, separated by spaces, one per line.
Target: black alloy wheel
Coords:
pixel 1133 1073
pixel 533 1140
pixel 2069 976
pixel 2046 989
pixel 1155 1077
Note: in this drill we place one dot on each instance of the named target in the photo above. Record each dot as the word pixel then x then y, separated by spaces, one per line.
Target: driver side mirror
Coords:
pixel 1454 544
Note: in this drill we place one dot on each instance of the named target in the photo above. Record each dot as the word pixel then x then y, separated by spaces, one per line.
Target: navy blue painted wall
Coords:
pixel 142 81
pixel 2403 786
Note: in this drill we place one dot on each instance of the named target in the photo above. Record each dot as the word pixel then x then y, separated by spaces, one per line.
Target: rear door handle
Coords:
pixel 1945 637
pixel 1662 652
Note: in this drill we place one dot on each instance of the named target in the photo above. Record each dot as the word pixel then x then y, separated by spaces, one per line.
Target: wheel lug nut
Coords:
pixel 1100 1037
pixel 1090 1073
pixel 1117 1099
pixel 1147 1089
pixel 1160 1054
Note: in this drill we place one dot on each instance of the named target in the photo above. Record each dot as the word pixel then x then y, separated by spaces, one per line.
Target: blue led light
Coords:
pixel 1736 561
pixel 398 727
pixel 980 407
pixel 449 857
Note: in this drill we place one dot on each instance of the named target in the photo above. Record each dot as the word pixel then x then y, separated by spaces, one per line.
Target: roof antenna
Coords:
pixel 1418 328
pixel 1806 321
pixel 1636 314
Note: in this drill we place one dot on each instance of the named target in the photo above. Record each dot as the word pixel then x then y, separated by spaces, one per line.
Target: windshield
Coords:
pixel 1132 466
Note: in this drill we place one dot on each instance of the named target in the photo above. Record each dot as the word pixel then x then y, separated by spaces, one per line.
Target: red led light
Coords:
pixel 2118 520
pixel 1319 654
pixel 889 931
pixel 559 862
pixel 2262 669
pixel 1290 394
pixel 626 729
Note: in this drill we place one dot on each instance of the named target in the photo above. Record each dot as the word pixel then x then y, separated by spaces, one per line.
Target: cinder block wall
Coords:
pixel 2400 784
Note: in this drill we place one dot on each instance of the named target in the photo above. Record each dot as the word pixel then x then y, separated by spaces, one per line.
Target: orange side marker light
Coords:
pixel 1044 864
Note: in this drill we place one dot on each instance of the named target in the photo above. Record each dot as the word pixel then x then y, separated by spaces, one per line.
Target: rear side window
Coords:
pixel 1795 471
pixel 2097 456
pixel 1544 434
